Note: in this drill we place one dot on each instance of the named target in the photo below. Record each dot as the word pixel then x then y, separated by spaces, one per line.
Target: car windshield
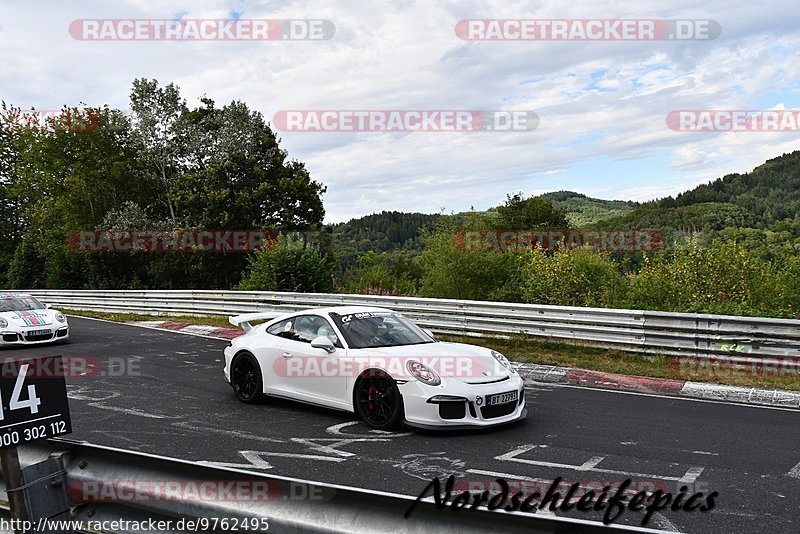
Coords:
pixel 20 304
pixel 379 329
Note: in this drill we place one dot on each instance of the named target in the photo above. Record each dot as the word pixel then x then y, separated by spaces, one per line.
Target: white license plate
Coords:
pixel 502 398
pixel 38 332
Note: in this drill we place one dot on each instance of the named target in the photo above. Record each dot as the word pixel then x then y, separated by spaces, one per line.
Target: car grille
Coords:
pixel 490 412
pixel 62 332
pixel 40 337
pixel 453 410
pixel 10 338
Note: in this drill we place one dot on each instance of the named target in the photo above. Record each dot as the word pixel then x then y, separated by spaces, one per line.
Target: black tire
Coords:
pixel 246 378
pixel 377 401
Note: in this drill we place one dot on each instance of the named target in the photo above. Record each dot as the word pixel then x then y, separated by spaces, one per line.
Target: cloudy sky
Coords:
pixel 602 104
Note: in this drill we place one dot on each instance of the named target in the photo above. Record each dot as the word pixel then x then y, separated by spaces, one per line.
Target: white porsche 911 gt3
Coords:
pixel 376 363
pixel 26 321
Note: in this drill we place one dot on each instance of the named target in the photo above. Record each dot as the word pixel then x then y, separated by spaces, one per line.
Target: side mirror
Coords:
pixel 324 343
pixel 429 333
pixel 48 306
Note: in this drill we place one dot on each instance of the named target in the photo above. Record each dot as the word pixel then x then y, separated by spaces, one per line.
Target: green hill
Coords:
pixel 583 211
pixel 379 232
pixel 766 198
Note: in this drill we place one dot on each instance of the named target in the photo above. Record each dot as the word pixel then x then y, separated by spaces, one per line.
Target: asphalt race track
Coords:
pixel 164 393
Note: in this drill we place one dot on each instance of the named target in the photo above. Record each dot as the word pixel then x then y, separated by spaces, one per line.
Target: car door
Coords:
pixel 268 350
pixel 311 373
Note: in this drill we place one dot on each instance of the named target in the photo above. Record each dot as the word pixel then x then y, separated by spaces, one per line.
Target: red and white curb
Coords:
pixel 192 329
pixel 533 373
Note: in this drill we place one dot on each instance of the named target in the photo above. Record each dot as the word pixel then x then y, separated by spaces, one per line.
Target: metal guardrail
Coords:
pixel 677 334
pixel 310 506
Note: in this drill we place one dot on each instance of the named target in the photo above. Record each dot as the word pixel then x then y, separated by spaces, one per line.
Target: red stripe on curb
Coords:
pixel 169 325
pixel 227 333
pixel 641 384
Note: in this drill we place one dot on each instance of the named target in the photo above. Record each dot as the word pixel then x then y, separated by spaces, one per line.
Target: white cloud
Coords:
pixel 405 55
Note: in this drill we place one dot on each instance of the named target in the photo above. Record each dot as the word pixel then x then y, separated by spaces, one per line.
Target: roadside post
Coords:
pixel 33 407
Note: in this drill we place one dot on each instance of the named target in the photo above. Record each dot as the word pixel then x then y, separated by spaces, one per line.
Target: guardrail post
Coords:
pixel 12 473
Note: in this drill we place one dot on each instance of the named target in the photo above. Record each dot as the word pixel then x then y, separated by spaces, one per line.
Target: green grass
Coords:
pixel 564 354
pixel 533 350
pixel 209 320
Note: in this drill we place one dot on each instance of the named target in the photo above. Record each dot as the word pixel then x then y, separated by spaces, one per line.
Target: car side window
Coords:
pixel 305 328
pixel 282 329
pixel 308 327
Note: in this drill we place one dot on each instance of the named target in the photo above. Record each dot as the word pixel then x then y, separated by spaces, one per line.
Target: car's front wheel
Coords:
pixel 246 378
pixel 378 401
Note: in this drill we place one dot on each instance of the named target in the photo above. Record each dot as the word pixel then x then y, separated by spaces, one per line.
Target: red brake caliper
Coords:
pixel 370 404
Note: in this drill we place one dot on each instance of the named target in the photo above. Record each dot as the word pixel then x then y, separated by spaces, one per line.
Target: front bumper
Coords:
pixel 25 336
pixel 467 407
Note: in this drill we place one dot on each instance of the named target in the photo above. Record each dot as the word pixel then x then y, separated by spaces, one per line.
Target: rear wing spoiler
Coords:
pixel 244 319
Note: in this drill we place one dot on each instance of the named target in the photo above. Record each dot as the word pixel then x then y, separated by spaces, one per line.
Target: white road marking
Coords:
pixel 225 432
pixel 794 472
pixel 258 462
pixel 701 452
pixel 691 475
pixel 590 465
pixel 255 459
pixel 129 411
pixel 84 393
pixel 331 449
pixel 429 465
pixel 336 430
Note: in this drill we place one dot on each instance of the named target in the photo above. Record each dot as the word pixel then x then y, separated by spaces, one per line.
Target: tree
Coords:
pixel 290 265
pixel 572 278
pixel 519 213
pixel 27 269
pixel 156 115
pixel 450 271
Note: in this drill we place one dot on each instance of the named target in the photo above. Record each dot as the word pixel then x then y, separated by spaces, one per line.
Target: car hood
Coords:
pixel 27 318
pixel 468 363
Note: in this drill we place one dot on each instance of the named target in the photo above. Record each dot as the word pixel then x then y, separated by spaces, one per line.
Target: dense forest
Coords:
pixel 162 166
pixel 731 246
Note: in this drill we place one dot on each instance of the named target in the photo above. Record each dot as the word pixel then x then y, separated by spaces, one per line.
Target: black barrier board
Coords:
pixel 33 400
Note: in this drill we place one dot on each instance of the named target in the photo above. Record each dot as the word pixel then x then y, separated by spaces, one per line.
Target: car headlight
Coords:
pixel 60 317
pixel 3 323
pixel 423 373
pixel 503 361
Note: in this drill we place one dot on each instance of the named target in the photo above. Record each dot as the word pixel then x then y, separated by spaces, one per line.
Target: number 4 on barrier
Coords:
pixel 33 401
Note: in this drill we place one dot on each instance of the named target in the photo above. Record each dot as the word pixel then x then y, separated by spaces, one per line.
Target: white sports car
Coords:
pixel 376 363
pixel 26 321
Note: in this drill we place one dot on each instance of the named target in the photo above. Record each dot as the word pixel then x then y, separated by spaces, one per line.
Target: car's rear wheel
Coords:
pixel 246 378
pixel 378 401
